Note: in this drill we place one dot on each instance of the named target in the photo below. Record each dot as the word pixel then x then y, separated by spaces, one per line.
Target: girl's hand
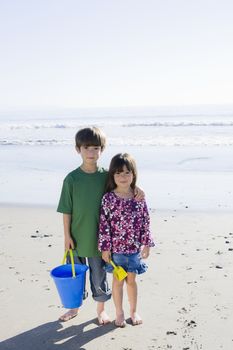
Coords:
pixel 145 252
pixel 106 256
pixel 69 243
pixel 139 194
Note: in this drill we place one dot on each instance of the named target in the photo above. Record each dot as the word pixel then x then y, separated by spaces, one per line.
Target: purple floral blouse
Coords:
pixel 124 225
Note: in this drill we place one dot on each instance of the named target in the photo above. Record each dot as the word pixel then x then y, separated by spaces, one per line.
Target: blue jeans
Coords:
pixel 98 278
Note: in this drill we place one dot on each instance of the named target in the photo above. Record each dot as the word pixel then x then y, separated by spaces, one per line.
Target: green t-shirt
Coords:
pixel 81 198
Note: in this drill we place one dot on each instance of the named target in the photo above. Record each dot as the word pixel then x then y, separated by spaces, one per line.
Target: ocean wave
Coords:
pixel 51 142
pixel 119 123
pixel 179 124
pixel 115 141
pixel 35 126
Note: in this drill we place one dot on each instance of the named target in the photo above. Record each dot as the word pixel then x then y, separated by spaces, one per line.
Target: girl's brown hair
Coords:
pixel 116 165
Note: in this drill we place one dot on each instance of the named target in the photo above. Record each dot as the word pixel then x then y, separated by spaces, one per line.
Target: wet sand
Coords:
pixel 185 298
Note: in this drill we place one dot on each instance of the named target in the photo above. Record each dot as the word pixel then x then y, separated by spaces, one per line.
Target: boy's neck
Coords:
pixel 89 168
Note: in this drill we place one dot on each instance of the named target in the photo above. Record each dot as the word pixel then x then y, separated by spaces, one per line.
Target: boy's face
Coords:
pixel 89 154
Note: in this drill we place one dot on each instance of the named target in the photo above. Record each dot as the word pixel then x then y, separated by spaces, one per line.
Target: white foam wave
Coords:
pixel 180 124
pixel 117 141
pixel 120 123
pixel 35 142
pixel 9 126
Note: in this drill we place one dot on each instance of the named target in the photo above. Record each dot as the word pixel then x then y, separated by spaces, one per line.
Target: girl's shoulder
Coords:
pixel 140 203
pixel 109 200
pixel 109 196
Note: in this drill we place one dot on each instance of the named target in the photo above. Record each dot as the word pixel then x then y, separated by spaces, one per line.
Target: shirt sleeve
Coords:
pixel 104 239
pixel 65 204
pixel 146 237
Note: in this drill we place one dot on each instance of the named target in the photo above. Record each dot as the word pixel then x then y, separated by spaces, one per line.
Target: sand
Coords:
pixel 185 298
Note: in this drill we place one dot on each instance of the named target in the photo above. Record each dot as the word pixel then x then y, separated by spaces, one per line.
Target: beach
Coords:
pixel 184 161
pixel 185 298
pixel 156 77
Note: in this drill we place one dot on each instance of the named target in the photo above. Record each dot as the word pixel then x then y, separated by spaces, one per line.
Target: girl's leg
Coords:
pixel 132 295
pixel 117 293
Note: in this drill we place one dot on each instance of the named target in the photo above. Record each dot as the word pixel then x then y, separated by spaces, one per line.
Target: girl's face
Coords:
pixel 124 178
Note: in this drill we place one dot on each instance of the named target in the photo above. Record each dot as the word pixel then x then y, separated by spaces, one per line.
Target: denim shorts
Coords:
pixel 129 262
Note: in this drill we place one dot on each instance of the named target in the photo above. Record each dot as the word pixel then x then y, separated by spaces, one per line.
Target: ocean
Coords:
pixel 184 156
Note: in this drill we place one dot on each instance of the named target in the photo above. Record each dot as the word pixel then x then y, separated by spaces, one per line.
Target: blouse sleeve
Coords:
pixel 104 240
pixel 146 237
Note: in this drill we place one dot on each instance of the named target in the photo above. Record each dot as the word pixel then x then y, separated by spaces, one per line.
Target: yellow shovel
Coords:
pixel 118 271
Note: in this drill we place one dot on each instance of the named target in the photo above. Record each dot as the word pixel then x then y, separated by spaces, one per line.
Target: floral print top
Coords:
pixel 124 225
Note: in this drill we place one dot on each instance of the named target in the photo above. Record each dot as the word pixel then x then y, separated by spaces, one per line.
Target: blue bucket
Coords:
pixel 70 289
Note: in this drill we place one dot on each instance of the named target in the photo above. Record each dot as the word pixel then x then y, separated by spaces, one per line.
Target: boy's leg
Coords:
pixel 99 287
pixel 117 294
pixel 73 312
pixel 102 315
pixel 132 295
pixel 69 315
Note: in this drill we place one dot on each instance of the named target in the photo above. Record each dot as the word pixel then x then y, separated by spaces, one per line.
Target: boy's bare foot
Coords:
pixel 103 318
pixel 120 321
pixel 68 315
pixel 136 319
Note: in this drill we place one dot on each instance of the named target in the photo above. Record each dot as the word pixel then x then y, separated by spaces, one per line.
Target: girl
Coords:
pixel 124 233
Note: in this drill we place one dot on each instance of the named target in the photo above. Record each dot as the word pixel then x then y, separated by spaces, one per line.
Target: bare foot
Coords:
pixel 120 321
pixel 103 318
pixel 136 319
pixel 69 315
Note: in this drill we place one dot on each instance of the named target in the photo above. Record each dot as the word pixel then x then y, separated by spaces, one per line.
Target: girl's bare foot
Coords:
pixel 120 321
pixel 103 318
pixel 136 319
pixel 68 315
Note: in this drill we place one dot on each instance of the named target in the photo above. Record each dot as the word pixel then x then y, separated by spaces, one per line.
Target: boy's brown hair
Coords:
pixel 91 136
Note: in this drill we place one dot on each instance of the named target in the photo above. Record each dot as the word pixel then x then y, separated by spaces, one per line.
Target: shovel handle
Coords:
pixel 112 263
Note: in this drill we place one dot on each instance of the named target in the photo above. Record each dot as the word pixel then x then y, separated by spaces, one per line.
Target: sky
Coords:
pixel 108 53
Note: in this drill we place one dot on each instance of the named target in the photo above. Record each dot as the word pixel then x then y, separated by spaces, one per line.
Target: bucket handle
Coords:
pixel 72 260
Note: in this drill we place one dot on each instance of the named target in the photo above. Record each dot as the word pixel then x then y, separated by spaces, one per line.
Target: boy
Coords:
pixel 80 202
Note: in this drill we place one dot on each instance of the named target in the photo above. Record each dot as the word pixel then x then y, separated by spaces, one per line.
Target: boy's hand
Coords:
pixel 145 252
pixel 139 194
pixel 69 244
pixel 106 256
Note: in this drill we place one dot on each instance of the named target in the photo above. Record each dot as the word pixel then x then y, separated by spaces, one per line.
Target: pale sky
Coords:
pixel 110 53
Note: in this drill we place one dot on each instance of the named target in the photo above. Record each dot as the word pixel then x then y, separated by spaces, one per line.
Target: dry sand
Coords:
pixel 185 298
